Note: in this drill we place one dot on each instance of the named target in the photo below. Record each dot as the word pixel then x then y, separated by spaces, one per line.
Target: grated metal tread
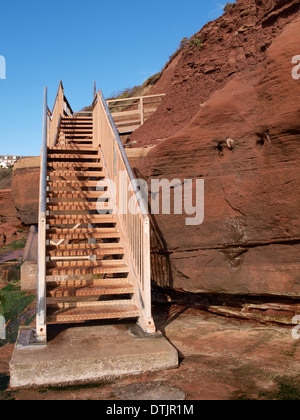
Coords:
pixel 74 219
pixel 73 206
pixel 94 290
pixel 89 269
pixel 86 252
pixel 90 313
pixel 74 165
pixel 84 236
pixel 72 247
pixel 72 157
pixel 82 195
pixel 70 149
pixel 85 281
pixel 60 186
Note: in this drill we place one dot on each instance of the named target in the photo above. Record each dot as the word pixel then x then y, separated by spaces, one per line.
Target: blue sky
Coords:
pixel 117 43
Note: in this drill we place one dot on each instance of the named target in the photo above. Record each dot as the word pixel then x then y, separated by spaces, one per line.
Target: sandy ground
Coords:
pixel 220 359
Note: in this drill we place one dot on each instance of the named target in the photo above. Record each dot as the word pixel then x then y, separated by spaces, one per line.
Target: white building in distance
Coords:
pixel 7 161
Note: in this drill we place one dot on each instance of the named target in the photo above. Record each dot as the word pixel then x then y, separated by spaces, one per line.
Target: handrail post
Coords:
pixel 147 269
pixel 41 329
pixel 142 110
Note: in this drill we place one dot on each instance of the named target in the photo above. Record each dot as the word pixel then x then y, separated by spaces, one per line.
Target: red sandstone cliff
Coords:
pixel 238 41
pixel 249 242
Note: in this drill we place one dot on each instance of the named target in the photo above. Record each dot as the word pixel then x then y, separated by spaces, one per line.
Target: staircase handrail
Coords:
pixel 135 225
pixel 60 109
pixel 41 289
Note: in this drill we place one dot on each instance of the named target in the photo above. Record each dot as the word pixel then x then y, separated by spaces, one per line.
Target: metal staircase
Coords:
pixel 94 257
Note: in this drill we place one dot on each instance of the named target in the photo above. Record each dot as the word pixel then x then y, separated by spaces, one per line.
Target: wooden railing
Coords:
pixel 134 224
pixel 130 113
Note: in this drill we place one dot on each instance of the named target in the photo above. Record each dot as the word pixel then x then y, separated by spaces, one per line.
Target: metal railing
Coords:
pixel 61 108
pixel 135 224
pixel 130 113
pixel 51 126
pixel 41 330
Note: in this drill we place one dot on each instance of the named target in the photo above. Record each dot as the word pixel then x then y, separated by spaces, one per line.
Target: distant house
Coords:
pixel 7 161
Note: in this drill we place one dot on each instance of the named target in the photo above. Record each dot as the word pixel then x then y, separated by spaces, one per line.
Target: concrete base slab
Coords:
pixel 29 275
pixel 89 354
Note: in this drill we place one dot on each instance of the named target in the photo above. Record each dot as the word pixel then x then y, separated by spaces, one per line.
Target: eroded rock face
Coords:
pixel 7 209
pixel 237 41
pixel 245 144
pixel 10 224
pixel 25 189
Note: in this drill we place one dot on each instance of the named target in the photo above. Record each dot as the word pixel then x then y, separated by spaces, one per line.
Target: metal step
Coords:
pixel 74 219
pixel 79 250
pixel 69 149
pixel 79 141
pixel 87 263
pixel 82 234
pixel 63 207
pixel 88 280
pixel 78 174
pixel 56 186
pixel 74 165
pixel 71 157
pixel 91 312
pixel 91 290
pixel 82 270
pixel 79 196
pixel 75 134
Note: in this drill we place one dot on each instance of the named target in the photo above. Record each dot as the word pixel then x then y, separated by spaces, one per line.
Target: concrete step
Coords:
pixel 99 353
